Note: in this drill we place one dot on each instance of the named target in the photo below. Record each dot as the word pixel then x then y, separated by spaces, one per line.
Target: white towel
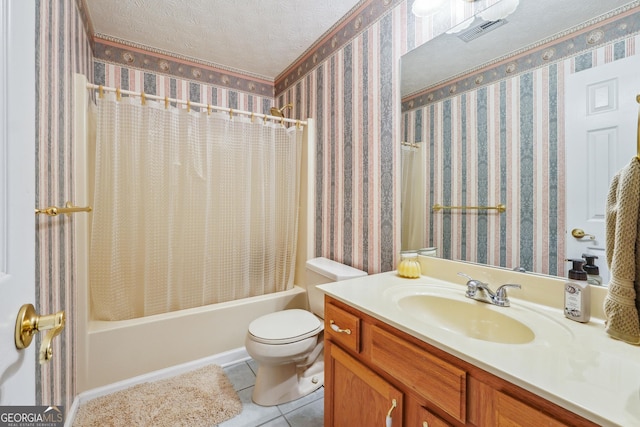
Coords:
pixel 621 306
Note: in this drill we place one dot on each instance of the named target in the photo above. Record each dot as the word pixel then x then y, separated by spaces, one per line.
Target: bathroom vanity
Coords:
pixel 421 353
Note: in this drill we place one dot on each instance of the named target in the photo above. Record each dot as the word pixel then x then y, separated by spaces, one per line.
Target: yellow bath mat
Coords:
pixel 204 397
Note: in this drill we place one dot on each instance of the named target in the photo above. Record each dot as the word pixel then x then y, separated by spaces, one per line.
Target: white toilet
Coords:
pixel 288 345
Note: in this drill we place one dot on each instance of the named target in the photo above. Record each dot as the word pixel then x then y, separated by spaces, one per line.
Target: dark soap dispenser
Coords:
pixel 593 272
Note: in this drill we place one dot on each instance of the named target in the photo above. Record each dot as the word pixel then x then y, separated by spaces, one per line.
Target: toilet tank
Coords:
pixel 323 270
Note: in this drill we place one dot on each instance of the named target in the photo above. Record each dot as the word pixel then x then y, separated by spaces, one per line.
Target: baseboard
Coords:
pixel 223 359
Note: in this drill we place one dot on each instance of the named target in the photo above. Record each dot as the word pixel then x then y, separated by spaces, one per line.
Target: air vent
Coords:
pixel 480 30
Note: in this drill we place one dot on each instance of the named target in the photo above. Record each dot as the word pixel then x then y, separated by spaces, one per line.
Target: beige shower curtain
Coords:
pixel 413 198
pixel 189 208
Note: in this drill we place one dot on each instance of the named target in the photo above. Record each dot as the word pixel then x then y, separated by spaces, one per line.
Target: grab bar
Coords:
pixel 68 209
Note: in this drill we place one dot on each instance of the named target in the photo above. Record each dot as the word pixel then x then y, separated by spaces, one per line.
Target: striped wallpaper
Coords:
pixel 353 97
pixel 498 144
pixel 352 93
pixel 62 48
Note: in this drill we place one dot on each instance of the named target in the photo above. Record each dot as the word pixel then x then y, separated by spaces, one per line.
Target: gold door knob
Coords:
pixel 29 322
pixel 579 233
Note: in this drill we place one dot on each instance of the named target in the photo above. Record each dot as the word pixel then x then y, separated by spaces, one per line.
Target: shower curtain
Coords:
pixel 413 201
pixel 190 208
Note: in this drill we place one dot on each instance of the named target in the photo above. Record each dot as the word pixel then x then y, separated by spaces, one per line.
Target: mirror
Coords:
pixel 483 125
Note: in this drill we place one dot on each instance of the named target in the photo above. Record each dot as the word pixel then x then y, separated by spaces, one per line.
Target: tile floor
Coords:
pixel 304 412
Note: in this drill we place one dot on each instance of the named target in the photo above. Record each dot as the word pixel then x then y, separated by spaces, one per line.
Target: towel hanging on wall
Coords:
pixel 621 306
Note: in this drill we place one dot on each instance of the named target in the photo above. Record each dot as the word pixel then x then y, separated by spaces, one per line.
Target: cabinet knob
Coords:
pixel 425 424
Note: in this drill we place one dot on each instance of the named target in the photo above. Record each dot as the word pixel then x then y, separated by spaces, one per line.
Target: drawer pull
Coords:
pixel 338 329
pixel 389 420
pixel 425 424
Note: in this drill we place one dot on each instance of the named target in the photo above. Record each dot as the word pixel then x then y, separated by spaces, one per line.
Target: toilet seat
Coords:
pixel 285 327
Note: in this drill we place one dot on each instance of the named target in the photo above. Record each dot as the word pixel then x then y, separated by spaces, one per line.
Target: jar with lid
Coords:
pixel 409 266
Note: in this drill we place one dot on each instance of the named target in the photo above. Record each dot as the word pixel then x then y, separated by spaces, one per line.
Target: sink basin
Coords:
pixel 446 308
pixel 471 318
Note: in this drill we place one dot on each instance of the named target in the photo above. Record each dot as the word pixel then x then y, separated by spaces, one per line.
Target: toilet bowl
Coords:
pixel 288 345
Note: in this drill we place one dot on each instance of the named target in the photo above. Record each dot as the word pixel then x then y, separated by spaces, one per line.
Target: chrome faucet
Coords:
pixel 481 291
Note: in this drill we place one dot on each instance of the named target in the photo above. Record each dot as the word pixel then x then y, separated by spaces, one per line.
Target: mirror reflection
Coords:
pixel 489 122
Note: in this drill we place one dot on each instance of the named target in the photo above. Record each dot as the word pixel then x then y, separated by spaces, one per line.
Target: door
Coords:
pixel 601 119
pixel 17 195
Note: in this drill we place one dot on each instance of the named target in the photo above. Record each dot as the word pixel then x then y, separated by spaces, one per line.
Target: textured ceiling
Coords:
pixel 257 37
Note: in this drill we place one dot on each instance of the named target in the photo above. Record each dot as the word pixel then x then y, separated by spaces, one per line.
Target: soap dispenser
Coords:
pixel 577 304
pixel 593 272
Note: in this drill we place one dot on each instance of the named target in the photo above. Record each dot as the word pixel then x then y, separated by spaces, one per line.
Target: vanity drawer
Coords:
pixel 430 377
pixel 342 326
pixel 508 411
pixel 427 419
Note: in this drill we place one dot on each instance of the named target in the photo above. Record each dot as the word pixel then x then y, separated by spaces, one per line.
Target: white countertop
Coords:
pixel 575 365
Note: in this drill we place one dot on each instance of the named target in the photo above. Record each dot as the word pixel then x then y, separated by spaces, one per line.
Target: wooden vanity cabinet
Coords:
pixel 369 364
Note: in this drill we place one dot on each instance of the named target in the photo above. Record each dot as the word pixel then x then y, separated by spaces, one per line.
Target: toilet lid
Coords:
pixel 285 326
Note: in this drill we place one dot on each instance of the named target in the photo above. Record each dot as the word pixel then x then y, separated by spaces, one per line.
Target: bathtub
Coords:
pixel 111 351
pixel 117 350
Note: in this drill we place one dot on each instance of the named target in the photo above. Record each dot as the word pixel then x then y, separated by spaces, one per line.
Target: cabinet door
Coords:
pixel 514 413
pixel 359 397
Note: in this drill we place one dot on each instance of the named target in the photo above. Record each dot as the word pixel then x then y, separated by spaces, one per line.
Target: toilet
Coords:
pixel 288 344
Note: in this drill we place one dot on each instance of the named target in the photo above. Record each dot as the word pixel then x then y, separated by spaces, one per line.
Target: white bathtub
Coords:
pixel 118 350
pixel 111 351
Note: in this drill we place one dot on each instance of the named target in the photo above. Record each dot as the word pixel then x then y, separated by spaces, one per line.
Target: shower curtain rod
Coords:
pixel 190 104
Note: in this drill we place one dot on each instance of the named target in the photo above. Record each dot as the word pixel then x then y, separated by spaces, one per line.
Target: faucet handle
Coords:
pixel 501 298
pixel 472 285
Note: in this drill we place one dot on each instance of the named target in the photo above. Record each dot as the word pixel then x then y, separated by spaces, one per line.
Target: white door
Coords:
pixel 601 126
pixel 17 195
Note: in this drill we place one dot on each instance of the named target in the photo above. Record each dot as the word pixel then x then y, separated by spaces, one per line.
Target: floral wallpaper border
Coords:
pixel 130 56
